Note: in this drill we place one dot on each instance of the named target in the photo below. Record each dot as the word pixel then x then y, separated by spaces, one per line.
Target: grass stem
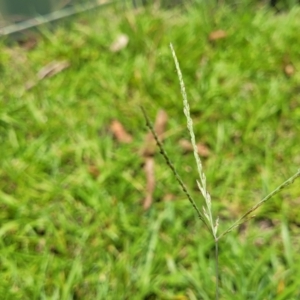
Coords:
pixel 217 267
pixel 170 164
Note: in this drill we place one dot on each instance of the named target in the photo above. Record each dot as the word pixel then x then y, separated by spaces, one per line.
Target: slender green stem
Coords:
pixel 217 268
pixel 171 166
pixel 247 216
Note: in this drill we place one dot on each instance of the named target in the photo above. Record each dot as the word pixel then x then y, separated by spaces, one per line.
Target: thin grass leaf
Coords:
pixel 247 215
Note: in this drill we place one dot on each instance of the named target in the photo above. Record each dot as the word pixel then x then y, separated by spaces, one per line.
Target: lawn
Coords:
pixel 89 208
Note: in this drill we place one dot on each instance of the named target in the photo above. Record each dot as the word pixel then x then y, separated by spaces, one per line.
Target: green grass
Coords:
pixel 68 233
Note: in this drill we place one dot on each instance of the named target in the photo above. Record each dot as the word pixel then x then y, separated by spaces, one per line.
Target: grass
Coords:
pixel 206 214
pixel 72 219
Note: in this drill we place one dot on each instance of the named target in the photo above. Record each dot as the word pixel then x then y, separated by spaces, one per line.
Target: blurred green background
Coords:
pixel 74 180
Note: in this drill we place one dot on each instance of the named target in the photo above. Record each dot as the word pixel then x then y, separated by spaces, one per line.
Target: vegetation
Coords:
pixel 73 186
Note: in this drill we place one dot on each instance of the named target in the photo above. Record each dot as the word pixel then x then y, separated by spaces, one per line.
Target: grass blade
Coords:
pixel 247 215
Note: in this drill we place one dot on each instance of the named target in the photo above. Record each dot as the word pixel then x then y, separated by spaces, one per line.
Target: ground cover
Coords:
pixel 72 177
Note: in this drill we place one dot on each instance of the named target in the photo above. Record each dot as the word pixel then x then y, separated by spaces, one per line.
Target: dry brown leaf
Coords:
pixel 149 170
pixel 120 43
pixel 48 71
pixel 120 133
pixel 159 127
pixel 289 70
pixel 169 197
pixel 94 171
pixel 148 152
pixel 203 150
pixel 187 146
pixel 217 35
pixel 30 84
pixel 160 123
pixel 52 69
pixel 29 42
